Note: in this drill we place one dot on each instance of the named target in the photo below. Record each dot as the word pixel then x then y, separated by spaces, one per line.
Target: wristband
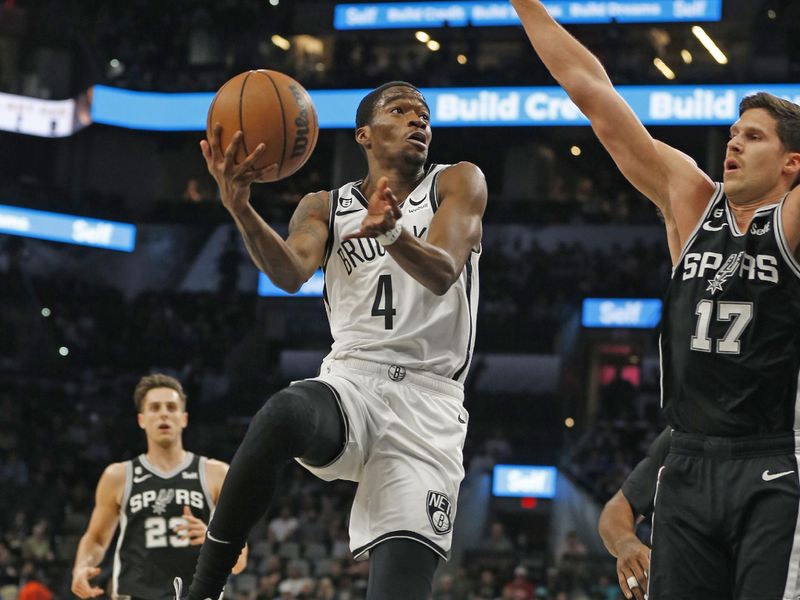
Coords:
pixel 390 237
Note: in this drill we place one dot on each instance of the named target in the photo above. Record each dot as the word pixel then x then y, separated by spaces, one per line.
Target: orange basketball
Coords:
pixel 271 108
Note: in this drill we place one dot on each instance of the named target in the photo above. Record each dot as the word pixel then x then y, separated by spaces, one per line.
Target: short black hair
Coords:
pixel 367 105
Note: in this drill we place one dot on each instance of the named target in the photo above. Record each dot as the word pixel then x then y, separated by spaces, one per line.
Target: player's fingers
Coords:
pixel 95 592
pixel 623 584
pixel 247 163
pixel 631 584
pixel 215 140
pixel 232 150
pixel 205 149
pixel 266 174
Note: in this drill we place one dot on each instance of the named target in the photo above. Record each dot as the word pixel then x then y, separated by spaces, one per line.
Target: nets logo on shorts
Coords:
pixel 397 373
pixel 439 509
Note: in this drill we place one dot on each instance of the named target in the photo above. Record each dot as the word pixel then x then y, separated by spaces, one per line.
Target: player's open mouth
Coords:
pixel 418 139
pixel 731 165
pixel 164 427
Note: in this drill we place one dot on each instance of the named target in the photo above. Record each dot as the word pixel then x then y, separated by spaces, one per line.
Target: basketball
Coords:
pixel 270 108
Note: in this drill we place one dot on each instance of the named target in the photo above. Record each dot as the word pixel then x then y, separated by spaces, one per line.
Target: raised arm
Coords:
pixel 288 263
pixel 617 127
pixel 455 229
pixel 102 524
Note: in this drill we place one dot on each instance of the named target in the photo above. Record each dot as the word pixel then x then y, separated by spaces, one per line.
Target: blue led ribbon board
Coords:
pixel 635 313
pixel 311 288
pixel 524 481
pixel 453 107
pixel 428 15
pixel 68 229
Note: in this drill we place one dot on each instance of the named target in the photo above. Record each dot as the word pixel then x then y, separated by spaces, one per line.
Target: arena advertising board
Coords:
pixel 453 107
pixel 401 15
pixel 310 289
pixel 68 229
pixel 524 481
pixel 43 118
pixel 450 107
pixel 623 313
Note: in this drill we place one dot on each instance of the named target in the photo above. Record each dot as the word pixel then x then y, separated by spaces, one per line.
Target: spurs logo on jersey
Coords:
pixel 730 335
pixel 377 311
pixel 149 553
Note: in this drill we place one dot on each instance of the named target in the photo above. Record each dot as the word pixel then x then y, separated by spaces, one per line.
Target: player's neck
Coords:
pixel 743 209
pixel 166 458
pixel 401 183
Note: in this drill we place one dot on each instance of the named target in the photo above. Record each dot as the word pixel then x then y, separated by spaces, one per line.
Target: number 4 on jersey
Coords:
pixel 382 306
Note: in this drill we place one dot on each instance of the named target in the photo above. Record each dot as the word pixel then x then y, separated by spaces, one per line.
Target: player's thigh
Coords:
pixel 685 561
pixel 768 547
pixel 401 569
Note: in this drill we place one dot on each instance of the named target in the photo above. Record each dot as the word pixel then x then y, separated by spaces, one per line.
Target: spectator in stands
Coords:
pixel 282 527
pixel 497 540
pixel 520 587
pixel 37 546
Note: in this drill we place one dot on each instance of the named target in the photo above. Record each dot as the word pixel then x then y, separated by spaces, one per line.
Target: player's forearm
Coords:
pixel 89 554
pixel 616 523
pixel 269 251
pixel 241 562
pixel 431 266
pixel 575 68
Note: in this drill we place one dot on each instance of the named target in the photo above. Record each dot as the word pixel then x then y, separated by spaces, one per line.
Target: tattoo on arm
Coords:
pixel 308 207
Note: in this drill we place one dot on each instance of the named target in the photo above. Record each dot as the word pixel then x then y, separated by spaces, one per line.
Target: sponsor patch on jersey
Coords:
pixel 439 511
pixel 759 230
pixel 189 474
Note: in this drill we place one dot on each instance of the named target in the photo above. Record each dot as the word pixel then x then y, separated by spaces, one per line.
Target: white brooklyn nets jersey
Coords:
pixel 380 313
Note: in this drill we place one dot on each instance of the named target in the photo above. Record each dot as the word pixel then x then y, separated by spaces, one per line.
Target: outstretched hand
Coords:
pixel 383 211
pixel 233 179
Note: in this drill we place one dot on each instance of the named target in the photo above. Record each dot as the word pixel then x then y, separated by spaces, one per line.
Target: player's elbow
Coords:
pixel 443 281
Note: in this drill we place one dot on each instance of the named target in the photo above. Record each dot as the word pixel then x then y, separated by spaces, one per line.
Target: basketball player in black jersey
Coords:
pixel 162 500
pixel 726 512
pixel 400 250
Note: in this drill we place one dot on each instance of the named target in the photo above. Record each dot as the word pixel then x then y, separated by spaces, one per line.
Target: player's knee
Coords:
pixel 281 422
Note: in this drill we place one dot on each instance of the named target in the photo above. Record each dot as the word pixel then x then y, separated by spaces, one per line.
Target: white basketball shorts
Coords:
pixel 405 435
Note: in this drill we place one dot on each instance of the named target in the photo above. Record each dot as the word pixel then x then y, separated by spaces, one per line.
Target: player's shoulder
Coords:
pixel 461 169
pixel 464 180
pixel 216 468
pixel 112 482
pixel 314 204
pixel 116 471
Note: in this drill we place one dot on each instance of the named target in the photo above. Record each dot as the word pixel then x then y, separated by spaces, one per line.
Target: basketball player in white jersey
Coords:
pixel 162 499
pixel 400 253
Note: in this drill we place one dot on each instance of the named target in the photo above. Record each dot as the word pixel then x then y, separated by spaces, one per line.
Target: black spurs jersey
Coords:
pixel 730 332
pixel 149 554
